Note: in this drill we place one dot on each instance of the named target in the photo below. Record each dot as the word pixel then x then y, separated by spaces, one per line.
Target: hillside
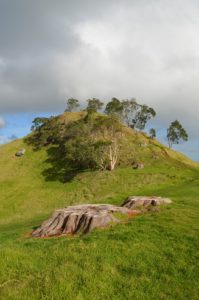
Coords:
pixel 34 177
pixel 153 256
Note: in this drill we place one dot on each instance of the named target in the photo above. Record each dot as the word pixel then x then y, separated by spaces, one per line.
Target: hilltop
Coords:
pixel 135 146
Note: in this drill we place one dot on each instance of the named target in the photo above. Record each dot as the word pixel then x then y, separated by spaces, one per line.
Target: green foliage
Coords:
pixel 80 140
pixel 129 110
pixel 45 131
pixel 144 114
pixel 114 107
pixel 152 133
pixel 94 105
pixel 80 148
pixel 87 142
pixel 72 104
pixel 175 133
pixel 38 122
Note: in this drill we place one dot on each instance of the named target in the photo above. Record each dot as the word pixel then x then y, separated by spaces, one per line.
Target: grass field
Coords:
pixel 153 256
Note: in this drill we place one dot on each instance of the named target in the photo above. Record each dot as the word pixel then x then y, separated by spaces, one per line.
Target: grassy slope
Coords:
pixel 154 256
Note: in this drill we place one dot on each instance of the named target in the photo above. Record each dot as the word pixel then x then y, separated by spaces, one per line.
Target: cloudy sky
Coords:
pixel 53 50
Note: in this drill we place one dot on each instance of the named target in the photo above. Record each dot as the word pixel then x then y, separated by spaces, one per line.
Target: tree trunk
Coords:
pixel 113 155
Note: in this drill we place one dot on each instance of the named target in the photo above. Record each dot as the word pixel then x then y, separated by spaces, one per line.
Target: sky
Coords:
pixel 53 50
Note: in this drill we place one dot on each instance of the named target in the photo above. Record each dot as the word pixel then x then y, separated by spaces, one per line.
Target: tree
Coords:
pixel 93 143
pixel 94 105
pixel 109 132
pixel 114 107
pixel 129 109
pixel 143 115
pixel 37 123
pixel 72 104
pixel 45 131
pixel 152 133
pixel 175 133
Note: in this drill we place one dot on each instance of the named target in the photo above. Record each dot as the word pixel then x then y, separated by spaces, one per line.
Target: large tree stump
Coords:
pixel 79 219
pixel 86 217
pixel 136 201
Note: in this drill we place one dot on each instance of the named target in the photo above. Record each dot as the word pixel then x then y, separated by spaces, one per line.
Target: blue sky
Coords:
pixel 18 125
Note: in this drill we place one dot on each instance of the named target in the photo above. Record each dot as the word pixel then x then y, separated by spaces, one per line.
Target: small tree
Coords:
pixel 40 132
pixel 94 105
pixel 129 109
pixel 110 132
pixel 72 104
pixel 93 143
pixel 114 107
pixel 144 114
pixel 152 133
pixel 37 123
pixel 175 133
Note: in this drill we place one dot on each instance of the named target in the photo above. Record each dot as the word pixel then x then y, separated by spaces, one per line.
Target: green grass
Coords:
pixel 153 256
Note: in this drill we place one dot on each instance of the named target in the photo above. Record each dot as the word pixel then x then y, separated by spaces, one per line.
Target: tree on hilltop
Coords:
pixel 94 105
pixel 72 104
pixel 129 110
pixel 114 107
pixel 144 114
pixel 93 143
pixel 175 133
pixel 152 133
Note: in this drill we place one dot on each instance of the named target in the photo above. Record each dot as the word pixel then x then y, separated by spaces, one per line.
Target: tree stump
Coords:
pixel 84 218
pixel 79 219
pixel 136 201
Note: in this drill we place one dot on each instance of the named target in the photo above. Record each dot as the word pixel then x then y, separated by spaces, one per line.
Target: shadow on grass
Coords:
pixel 59 169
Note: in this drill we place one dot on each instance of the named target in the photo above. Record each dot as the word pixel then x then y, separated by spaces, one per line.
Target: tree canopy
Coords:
pixel 93 141
pixel 143 115
pixel 72 104
pixel 152 133
pixel 130 112
pixel 176 133
pixel 94 105
pixel 114 107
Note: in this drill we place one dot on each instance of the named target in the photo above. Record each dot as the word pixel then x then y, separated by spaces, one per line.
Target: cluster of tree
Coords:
pixel 129 112
pixel 133 115
pixel 91 142
pixel 94 140
pixel 45 131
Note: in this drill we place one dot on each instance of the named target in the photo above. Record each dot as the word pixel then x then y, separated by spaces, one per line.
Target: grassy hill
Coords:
pixel 153 256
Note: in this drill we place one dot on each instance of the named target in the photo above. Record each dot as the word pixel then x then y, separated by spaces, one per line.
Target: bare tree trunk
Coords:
pixel 113 155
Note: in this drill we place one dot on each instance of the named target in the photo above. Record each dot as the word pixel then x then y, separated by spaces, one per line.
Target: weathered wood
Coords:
pixel 84 218
pixel 136 201
pixel 79 219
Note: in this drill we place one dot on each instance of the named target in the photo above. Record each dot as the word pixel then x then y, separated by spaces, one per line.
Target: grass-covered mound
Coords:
pixel 153 256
